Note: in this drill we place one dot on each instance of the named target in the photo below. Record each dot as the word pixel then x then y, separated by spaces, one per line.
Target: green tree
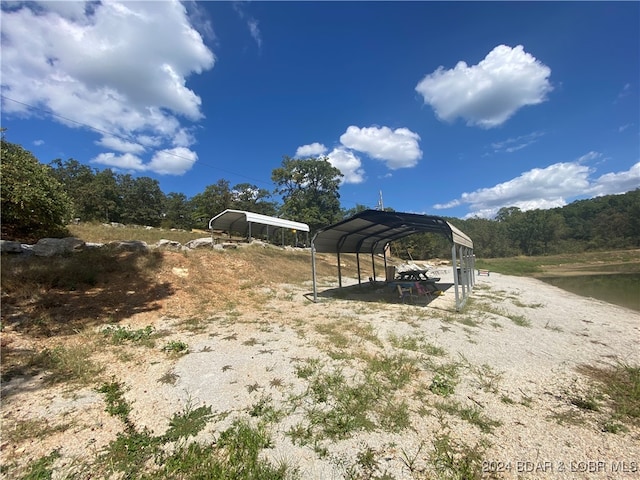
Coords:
pixel 250 198
pixel 33 201
pixel 177 211
pixel 353 211
pixel 214 200
pixel 77 180
pixel 107 198
pixel 310 190
pixel 142 200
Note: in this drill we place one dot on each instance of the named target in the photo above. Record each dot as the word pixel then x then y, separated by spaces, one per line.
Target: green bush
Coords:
pixel 34 203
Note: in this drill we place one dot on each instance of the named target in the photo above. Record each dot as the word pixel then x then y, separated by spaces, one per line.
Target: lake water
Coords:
pixel 622 289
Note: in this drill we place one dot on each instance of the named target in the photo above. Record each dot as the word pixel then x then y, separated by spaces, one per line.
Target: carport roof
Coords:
pixel 239 220
pixel 371 230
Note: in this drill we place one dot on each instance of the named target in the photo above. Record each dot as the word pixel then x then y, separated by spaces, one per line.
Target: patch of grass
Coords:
pixel 614 427
pixel 265 410
pixel 336 408
pixel 395 416
pixel 71 364
pixel 442 385
pixel 416 344
pixel 471 414
pixel 621 385
pixel 485 376
pixel 396 370
pixel 445 377
pixel 188 422
pixel 335 337
pixel 507 399
pixel 519 320
pixel 276 383
pixel 585 403
pixel 176 347
pixel 42 469
pixel 120 334
pixel 310 367
pixel 366 466
pixel 116 403
pixel 131 452
pixel 452 460
pixel 23 430
pixel 568 417
pixel 521 304
pixel 193 324
pixel 468 321
pixel 254 387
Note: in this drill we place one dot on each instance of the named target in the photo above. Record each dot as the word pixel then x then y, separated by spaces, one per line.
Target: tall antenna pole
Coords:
pixel 380 204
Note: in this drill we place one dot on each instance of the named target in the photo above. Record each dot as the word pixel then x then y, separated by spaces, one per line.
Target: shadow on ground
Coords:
pixel 43 297
pixel 379 292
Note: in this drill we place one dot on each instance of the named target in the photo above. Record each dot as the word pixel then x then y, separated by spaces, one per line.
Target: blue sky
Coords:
pixel 449 108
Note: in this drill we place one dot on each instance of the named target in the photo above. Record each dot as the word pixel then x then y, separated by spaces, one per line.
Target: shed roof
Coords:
pixel 239 220
pixel 371 230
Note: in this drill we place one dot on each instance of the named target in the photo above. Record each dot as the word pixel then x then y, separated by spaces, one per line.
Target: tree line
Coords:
pixel 39 199
pixel 602 223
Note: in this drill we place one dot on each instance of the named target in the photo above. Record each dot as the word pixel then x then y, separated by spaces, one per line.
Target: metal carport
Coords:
pixel 371 231
pixel 249 223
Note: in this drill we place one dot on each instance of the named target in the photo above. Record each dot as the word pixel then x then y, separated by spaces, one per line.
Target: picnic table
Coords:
pixel 416 275
pixel 407 288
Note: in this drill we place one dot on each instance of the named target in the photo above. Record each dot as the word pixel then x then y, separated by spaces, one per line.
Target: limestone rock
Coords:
pixel 200 243
pixel 49 247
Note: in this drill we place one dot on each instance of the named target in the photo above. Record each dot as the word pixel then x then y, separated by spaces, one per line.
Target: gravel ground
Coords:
pixel 517 349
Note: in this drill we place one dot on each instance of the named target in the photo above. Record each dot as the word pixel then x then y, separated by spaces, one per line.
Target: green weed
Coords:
pixel 120 334
pixel 456 461
pixel 116 403
pixel 472 415
pixel 176 347
pixel 621 385
pixel 41 469
pixel 188 422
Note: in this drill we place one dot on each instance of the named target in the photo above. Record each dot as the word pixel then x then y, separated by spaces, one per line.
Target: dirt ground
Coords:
pixel 518 347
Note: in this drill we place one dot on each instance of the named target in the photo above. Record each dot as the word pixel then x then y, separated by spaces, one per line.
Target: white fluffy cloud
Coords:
pixel 312 150
pixel 548 187
pixel 489 93
pixel 173 161
pixel 615 183
pixel 397 148
pixel 126 161
pixel 348 163
pixel 118 67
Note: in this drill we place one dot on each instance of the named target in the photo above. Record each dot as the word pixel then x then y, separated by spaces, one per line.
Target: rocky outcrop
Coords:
pixel 200 243
pixel 129 246
pixel 8 246
pixel 50 247
pixel 169 244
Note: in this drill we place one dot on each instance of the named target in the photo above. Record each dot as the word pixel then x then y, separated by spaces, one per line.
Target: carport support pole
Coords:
pixel 358 264
pixel 373 266
pixel 313 273
pixel 454 263
pixel 339 270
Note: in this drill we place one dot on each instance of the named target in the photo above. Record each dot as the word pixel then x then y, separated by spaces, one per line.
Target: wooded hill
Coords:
pixel 38 200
